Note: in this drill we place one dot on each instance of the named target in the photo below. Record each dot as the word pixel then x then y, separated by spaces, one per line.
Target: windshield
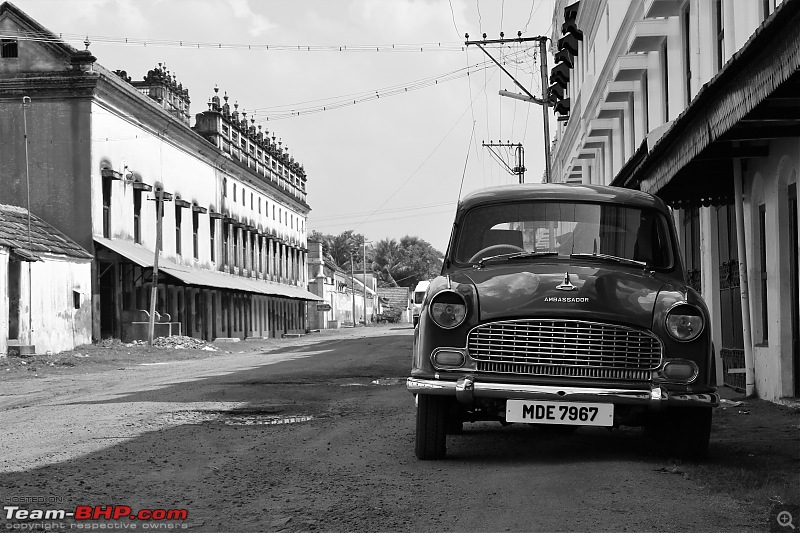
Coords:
pixel 565 228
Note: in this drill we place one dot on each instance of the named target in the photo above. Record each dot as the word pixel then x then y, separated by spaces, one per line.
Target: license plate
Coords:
pixel 568 413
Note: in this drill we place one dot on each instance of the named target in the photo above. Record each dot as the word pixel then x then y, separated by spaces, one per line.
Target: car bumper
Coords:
pixel 467 389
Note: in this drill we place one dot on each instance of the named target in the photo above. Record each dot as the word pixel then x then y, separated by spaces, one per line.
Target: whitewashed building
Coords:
pixel 102 149
pixel 45 287
pixel 696 101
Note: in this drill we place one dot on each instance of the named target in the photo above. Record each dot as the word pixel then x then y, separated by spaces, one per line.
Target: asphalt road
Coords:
pixel 318 434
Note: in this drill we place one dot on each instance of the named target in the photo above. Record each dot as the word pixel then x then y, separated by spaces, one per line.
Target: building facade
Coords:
pixel 116 166
pixel 695 101
pixel 344 296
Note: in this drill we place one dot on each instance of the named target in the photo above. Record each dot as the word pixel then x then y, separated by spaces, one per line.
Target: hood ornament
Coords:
pixel 567 284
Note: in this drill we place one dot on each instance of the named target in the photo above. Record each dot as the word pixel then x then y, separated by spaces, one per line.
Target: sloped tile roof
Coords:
pixel 45 239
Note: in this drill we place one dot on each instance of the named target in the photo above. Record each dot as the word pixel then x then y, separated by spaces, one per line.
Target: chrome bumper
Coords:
pixel 467 389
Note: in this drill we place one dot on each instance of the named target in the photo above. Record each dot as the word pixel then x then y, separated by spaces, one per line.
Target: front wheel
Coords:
pixel 431 427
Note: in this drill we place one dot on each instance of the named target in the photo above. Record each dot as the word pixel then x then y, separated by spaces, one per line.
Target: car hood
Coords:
pixel 621 295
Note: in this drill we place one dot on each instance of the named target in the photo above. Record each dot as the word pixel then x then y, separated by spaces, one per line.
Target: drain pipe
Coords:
pixel 743 284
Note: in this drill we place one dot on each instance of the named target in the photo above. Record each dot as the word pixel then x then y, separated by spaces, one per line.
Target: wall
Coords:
pixel 57 324
pixel 3 301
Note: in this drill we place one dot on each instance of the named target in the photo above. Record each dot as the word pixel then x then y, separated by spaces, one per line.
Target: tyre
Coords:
pixel 691 431
pixel 431 427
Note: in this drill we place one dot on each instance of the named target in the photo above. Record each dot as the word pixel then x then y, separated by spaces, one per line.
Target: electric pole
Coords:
pixel 528 96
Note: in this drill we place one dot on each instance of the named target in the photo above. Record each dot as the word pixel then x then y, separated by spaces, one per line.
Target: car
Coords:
pixel 418 296
pixel 563 306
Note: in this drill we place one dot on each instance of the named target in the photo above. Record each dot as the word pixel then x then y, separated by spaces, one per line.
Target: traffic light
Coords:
pixel 565 60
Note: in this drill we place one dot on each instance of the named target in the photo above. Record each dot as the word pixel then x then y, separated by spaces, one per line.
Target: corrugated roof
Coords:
pixel 203 278
pixel 44 238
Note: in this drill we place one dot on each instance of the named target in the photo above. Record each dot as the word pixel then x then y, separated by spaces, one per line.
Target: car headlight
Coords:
pixel 448 309
pixel 685 322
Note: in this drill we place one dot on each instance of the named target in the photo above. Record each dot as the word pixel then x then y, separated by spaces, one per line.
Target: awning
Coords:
pixel 751 101
pixel 203 278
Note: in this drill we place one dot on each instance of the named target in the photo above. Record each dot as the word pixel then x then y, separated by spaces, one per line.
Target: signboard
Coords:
pixel 323 307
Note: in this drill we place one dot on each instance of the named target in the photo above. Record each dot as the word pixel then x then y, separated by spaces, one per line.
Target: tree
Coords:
pixel 407 262
pixel 339 248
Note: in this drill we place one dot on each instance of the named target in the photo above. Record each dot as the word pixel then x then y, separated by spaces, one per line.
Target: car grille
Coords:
pixel 568 348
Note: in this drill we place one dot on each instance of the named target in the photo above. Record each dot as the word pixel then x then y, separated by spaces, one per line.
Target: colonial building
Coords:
pixel 105 154
pixel 696 101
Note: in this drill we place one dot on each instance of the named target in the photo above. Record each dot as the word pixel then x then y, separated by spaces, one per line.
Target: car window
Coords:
pixel 565 228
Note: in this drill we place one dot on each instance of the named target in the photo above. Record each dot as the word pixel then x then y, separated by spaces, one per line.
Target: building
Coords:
pixel 398 298
pixel 45 286
pixel 105 154
pixel 695 101
pixel 341 293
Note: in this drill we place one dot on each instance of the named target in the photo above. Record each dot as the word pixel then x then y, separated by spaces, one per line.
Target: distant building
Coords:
pixel 399 298
pixel 341 294
pixel 102 149
pixel 45 284
pixel 695 101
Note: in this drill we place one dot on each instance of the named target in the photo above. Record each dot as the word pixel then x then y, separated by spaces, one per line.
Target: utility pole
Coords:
pixel 26 103
pixel 160 198
pixel 528 96
pixel 519 168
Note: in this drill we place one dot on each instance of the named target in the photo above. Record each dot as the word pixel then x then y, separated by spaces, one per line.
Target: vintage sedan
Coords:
pixel 563 306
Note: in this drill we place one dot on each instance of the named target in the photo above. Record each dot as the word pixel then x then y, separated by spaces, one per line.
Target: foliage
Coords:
pixel 395 263
pixel 407 262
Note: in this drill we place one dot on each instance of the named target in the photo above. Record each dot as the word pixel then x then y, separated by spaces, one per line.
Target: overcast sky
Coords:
pixel 385 167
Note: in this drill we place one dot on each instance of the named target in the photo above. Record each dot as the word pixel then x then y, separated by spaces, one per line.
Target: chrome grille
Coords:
pixel 568 348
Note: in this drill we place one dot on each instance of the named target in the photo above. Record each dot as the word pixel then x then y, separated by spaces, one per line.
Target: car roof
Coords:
pixel 560 191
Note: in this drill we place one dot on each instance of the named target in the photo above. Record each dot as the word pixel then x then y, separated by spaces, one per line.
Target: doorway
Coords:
pixel 14 296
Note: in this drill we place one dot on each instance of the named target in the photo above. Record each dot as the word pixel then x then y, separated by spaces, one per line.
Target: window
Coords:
pixel 212 229
pixel 719 19
pixel 243 196
pixel 273 212
pixel 137 216
pixel 234 192
pixel 76 299
pixel 107 207
pixel 195 227
pixel 178 219
pixel 687 53
pixel 235 231
pixel 225 187
pixel 251 201
pixel 767 7
pixel 762 235
pixel 225 236
pixel 665 80
pixel 8 48
pixel 259 206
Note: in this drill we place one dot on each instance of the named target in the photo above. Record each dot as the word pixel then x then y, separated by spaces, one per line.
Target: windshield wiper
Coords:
pixel 614 258
pixel 516 255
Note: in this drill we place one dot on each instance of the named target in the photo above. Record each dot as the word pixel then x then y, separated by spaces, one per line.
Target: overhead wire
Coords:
pixel 458 120
pixel 49 37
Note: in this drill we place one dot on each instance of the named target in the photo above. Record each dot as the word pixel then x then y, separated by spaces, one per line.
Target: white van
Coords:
pixel 417 298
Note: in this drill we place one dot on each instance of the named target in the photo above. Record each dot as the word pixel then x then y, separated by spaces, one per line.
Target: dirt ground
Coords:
pixel 754 453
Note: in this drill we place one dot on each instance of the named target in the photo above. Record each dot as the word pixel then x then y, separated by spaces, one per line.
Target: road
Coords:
pixel 318 434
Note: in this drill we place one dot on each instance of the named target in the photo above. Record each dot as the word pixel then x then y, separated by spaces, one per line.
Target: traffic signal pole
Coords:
pixel 528 97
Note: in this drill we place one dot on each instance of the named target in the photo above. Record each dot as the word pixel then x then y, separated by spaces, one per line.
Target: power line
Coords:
pixel 47 37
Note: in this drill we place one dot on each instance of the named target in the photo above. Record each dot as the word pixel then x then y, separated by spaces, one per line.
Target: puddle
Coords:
pixel 235 418
pixel 388 381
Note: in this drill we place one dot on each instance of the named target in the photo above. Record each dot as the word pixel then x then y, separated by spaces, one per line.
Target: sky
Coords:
pixel 377 108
